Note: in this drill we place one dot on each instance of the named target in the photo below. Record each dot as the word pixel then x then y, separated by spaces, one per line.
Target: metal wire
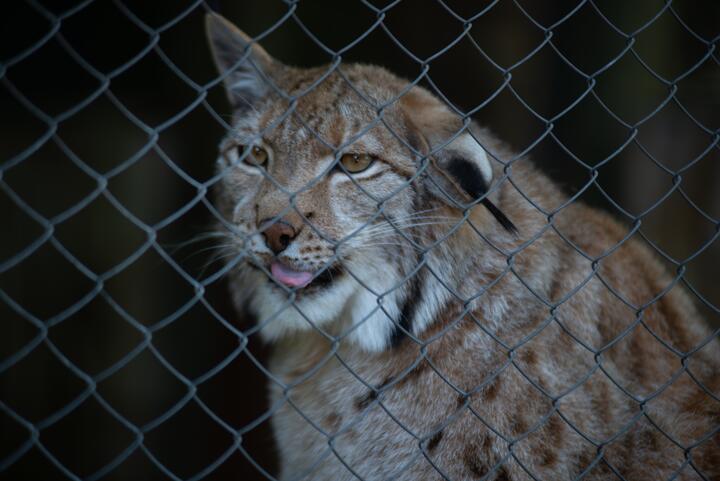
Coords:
pixel 34 430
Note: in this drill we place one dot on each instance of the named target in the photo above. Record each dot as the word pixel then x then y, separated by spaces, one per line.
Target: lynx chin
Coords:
pixel 428 321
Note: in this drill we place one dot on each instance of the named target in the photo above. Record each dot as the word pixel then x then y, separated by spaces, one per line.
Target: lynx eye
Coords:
pixel 257 156
pixel 355 163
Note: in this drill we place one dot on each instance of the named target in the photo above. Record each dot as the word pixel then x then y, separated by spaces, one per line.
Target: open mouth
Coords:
pixel 289 277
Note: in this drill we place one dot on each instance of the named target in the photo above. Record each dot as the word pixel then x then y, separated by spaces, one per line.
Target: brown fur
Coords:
pixel 548 368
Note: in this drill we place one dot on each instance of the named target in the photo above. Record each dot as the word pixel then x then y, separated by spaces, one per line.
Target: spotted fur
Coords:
pixel 448 343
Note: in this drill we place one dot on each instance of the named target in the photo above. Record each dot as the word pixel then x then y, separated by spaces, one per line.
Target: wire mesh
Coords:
pixel 155 394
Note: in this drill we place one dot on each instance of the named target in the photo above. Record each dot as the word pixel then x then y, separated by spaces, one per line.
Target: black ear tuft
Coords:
pixel 467 176
pixel 499 216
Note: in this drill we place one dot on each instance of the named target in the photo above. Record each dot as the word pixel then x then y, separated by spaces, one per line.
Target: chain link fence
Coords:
pixel 121 356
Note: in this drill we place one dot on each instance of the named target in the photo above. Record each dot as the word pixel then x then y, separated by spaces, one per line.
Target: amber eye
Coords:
pixel 355 163
pixel 257 156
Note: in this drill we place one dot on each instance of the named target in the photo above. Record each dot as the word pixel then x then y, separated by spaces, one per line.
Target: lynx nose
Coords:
pixel 279 235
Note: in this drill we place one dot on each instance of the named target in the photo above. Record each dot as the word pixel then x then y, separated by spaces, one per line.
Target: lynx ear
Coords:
pixel 244 63
pixel 461 170
pixel 458 171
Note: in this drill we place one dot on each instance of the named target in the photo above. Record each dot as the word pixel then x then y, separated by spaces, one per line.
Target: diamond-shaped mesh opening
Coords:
pixel 53 61
pixel 23 131
pixel 181 154
pixel 190 345
pixel 85 138
pixel 98 249
pixel 171 101
pixel 61 290
pixel 81 425
pixel 46 402
pixel 144 391
pixel 392 286
pixel 104 22
pixel 165 190
pixel 179 434
pixel 35 180
pixel 127 289
pixel 96 338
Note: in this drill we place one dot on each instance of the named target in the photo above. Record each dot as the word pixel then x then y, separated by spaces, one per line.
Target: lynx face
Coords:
pixel 334 185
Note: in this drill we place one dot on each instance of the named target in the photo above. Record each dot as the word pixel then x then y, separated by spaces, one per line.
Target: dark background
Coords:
pixel 88 264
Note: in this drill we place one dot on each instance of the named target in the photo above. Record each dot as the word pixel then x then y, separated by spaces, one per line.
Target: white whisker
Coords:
pixel 215 259
pixel 174 247
pixel 396 229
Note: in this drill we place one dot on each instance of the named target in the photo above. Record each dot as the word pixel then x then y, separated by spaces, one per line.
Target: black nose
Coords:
pixel 279 235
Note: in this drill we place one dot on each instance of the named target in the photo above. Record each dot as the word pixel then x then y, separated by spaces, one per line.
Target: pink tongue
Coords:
pixel 290 277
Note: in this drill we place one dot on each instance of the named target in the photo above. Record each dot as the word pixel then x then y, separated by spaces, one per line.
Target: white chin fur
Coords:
pixel 279 317
pixel 346 302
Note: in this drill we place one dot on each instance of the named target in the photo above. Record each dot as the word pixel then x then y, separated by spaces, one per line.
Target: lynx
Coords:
pixel 436 311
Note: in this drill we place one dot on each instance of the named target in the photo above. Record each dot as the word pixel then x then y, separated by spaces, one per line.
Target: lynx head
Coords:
pixel 335 181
